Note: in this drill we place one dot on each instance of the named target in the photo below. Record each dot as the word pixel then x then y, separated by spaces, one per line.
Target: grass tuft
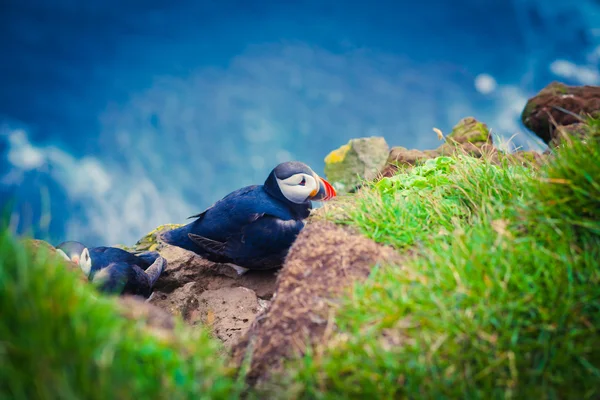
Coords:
pixel 60 339
pixel 504 303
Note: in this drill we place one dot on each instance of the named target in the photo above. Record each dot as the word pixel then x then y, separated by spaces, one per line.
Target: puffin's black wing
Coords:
pixel 218 248
pixel 113 278
pixel 212 246
pixel 266 238
pixel 236 193
pixel 103 256
pixel 199 215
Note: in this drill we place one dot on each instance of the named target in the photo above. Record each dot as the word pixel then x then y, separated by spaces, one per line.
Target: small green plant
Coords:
pixel 428 200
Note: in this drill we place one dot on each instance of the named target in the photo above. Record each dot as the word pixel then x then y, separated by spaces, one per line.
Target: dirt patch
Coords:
pixel 324 262
pixel 226 311
pixel 211 294
pixel 230 311
pixel 184 267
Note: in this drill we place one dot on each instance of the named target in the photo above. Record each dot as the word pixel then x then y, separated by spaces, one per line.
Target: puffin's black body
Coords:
pixel 116 270
pixel 252 227
pixel 123 278
pixel 103 256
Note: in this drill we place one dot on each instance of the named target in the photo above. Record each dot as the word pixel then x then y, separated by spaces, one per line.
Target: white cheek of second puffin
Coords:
pixel 298 188
pixel 85 262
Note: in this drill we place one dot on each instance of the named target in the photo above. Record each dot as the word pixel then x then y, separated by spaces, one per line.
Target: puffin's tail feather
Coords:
pixel 156 269
pixel 179 237
pixel 149 256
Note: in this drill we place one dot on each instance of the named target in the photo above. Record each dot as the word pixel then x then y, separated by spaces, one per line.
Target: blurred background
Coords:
pixel 118 116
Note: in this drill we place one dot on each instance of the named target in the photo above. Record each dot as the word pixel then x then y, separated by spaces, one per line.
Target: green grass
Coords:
pixel 501 298
pixel 60 339
pixel 430 200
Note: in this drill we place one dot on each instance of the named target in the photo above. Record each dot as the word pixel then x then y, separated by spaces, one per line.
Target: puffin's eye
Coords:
pixel 302 182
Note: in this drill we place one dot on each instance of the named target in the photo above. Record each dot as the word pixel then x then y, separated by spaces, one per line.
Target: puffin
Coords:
pixel 253 228
pixel 115 270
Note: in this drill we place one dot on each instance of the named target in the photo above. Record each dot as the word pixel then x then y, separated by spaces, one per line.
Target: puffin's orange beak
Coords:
pixel 75 259
pixel 325 191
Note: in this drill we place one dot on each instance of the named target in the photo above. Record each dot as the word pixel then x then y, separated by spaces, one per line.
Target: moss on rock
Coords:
pixel 359 159
pixel 150 241
pixel 469 130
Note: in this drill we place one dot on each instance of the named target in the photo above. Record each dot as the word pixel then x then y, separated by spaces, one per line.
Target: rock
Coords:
pixel 531 158
pixel 401 156
pixel 182 267
pixel 324 263
pixel 359 158
pixel 468 136
pixel 561 133
pixel 185 266
pixel 191 286
pixel 151 241
pixel 227 311
pixel 469 130
pixel 540 114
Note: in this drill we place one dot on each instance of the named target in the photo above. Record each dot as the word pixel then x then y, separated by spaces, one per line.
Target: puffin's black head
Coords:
pixel 296 182
pixel 78 253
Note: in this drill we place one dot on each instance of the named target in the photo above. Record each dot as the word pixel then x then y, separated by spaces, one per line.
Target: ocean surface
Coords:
pixel 118 116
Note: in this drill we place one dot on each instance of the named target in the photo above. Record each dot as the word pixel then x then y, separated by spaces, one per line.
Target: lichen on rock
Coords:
pixel 150 241
pixel 361 158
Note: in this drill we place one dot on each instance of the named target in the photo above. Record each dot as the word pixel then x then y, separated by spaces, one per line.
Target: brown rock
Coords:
pixel 228 311
pixel 323 263
pixel 562 133
pixel 190 286
pixel 185 266
pixel 531 158
pixel 468 136
pixel 401 155
pixel 541 114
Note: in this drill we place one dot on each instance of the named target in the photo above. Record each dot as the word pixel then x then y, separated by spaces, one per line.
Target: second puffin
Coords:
pixel 255 226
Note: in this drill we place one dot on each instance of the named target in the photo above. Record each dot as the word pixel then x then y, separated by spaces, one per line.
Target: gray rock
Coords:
pixel 361 158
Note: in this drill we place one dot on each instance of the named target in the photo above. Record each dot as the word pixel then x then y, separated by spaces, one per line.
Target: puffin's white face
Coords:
pixel 85 262
pixel 299 187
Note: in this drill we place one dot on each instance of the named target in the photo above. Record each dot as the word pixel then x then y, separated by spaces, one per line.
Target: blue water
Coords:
pixel 118 116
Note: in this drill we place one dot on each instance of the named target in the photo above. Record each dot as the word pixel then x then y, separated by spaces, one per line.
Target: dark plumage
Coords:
pixel 103 256
pixel 123 278
pixel 116 270
pixel 255 226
